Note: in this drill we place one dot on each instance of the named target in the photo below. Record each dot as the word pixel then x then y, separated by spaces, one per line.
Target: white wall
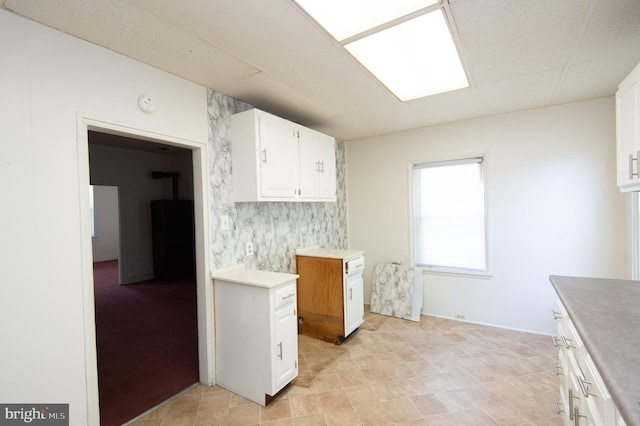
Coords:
pixel 47 78
pixel 106 223
pixel 553 207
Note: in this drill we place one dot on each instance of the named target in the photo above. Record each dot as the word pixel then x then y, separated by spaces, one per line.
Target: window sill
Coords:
pixel 452 272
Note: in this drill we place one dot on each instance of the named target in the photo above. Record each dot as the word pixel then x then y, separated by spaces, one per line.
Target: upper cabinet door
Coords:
pixel 327 172
pixel 309 163
pixel 628 132
pixel 278 158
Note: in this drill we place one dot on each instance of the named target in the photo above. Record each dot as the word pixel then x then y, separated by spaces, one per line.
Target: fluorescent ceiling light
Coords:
pixel 414 59
pixel 346 18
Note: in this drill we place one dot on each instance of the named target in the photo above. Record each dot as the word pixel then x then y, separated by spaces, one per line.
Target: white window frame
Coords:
pixel 414 196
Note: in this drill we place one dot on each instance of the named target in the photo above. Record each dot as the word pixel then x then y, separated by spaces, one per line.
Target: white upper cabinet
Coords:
pixel 317 166
pixel 276 160
pixel 628 132
pixel 327 172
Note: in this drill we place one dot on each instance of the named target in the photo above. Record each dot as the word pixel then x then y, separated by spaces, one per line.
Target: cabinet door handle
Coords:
pixel 264 155
pixel 567 342
pixel 280 346
pixel 556 315
pixel 351 294
pixel 584 387
pixel 556 369
pixel 556 341
pixel 576 416
pixel 570 404
pixel 317 166
pixel 572 412
pixel 322 166
pixel 559 410
pixel 633 174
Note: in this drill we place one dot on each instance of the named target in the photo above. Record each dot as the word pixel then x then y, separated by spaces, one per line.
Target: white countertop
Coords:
pixel 329 253
pixel 254 277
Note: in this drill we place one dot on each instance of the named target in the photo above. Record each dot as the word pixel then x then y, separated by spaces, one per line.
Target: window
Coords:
pixel 449 215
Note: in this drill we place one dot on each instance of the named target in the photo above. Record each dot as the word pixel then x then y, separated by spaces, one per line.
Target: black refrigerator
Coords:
pixel 173 239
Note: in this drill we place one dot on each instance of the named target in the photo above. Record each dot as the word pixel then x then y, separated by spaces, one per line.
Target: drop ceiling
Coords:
pixel 518 55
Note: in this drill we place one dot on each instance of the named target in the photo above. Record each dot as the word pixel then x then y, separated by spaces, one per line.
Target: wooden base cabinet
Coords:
pixel 256 335
pixel 330 299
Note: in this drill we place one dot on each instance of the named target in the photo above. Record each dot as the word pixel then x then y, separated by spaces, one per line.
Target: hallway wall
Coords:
pixel 49 83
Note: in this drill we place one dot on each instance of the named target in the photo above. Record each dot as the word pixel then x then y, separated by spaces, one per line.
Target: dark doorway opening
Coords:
pixel 146 326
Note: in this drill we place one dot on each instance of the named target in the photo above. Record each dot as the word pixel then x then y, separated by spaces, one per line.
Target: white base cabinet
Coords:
pixel 330 293
pixel 256 334
pixel 584 399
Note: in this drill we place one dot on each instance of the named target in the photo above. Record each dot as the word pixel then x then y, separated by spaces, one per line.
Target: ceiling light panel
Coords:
pixel 414 59
pixel 346 18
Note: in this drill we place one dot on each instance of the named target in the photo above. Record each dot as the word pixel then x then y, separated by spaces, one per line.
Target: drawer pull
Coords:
pixel 571 409
pixel 576 416
pixel 584 387
pixel 558 405
pixel 633 174
pixel 556 369
pixel 568 343
pixel 557 342
pixel 289 296
pixel 556 314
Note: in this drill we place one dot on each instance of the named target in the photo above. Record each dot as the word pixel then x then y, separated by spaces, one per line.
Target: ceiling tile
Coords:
pixel 268 34
pixel 504 39
pixel 594 79
pixel 516 94
pixel 446 107
pixel 267 93
pixel 133 32
pixel 335 78
pixel 612 30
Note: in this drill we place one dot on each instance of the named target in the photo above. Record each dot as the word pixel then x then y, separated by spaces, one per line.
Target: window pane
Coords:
pixel 449 222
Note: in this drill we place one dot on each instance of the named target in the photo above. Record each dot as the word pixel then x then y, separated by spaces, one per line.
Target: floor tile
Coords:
pixel 395 372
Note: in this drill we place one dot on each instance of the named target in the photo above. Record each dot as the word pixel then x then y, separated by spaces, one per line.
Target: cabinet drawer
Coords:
pixel 596 393
pixel 285 295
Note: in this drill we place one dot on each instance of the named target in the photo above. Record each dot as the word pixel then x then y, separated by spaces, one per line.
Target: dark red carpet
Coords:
pixel 147 342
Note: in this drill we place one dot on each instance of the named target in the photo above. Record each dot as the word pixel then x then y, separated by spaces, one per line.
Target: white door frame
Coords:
pixel 204 288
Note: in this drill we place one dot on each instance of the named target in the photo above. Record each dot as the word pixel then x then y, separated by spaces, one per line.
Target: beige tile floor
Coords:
pixel 396 372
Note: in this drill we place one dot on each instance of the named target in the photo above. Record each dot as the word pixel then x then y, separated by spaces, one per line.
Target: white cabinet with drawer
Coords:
pixel 256 332
pixel 584 399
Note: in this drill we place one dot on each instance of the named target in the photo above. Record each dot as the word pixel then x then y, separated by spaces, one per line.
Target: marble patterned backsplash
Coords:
pixel 276 229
